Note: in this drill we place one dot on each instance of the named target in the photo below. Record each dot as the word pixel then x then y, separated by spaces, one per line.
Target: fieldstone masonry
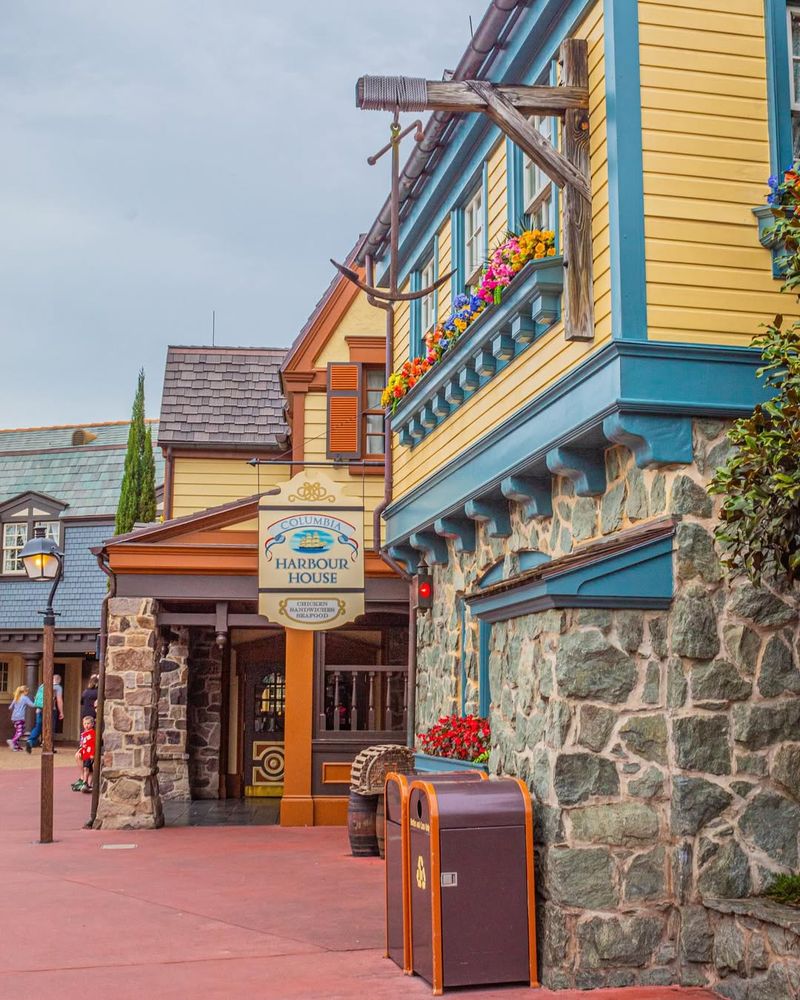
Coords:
pixel 129 797
pixel 204 716
pixel 662 749
pixel 172 754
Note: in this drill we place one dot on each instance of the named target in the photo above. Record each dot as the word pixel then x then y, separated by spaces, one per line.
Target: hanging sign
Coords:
pixel 311 554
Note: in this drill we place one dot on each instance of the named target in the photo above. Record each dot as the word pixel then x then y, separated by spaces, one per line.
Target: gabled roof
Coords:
pixel 85 477
pixel 334 303
pixel 223 396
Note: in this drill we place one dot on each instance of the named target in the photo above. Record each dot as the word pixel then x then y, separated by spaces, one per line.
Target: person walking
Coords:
pixel 19 703
pixel 35 737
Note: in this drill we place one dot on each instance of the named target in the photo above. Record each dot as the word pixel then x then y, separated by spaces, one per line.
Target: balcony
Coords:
pixel 531 305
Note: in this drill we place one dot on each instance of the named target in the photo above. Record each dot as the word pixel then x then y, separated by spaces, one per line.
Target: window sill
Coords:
pixel 367 470
pixel 530 306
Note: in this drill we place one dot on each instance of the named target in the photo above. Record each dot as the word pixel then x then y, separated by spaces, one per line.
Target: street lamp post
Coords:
pixel 44 562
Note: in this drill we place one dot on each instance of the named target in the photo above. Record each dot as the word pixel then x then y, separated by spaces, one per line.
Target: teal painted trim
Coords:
pixel 415 319
pixel 485 200
pixel 625 172
pixel 439 765
pixel 673 381
pixel 514 213
pixel 525 58
pixel 484 692
pixel 778 85
pixel 462 628
pixel 457 252
pixel 637 577
pixel 436 278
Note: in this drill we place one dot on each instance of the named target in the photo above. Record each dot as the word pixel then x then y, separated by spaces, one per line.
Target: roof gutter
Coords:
pixel 488 38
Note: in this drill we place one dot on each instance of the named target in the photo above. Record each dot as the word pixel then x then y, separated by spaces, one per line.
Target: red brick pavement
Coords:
pixel 210 913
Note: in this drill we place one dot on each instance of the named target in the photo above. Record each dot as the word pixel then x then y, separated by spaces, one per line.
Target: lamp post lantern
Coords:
pixel 44 562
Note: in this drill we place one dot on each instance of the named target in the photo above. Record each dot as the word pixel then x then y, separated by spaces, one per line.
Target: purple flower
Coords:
pixel 773 181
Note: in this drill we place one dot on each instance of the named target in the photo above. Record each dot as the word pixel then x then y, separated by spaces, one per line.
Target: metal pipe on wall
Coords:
pixel 101 687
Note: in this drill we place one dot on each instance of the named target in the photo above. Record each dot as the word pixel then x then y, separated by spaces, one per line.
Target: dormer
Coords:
pixel 18 518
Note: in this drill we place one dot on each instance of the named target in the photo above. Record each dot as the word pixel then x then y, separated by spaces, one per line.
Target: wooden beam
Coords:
pixel 517 127
pixel 459 96
pixel 577 227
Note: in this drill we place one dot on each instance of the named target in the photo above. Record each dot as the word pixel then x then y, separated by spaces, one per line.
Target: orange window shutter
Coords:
pixel 344 410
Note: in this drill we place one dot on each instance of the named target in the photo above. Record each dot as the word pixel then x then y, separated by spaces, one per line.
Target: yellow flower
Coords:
pixel 540 248
pixel 551 252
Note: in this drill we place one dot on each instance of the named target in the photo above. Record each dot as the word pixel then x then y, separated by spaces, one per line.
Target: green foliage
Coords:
pixel 137 498
pixel 784 889
pixel 760 518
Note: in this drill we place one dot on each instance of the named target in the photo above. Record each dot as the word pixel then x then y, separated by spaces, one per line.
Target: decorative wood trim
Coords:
pixel 336 772
pixel 367 350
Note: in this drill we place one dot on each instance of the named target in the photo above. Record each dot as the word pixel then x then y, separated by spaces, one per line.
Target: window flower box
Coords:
pixel 428 763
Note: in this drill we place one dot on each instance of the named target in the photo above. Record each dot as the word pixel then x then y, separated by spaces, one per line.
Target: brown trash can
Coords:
pixel 472 906
pixel 398 878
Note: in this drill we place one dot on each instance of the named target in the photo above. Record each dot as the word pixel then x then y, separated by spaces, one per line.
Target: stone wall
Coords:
pixel 660 748
pixel 129 797
pixel 204 714
pixel 172 753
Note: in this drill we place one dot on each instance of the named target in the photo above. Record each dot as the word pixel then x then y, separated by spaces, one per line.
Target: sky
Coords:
pixel 163 160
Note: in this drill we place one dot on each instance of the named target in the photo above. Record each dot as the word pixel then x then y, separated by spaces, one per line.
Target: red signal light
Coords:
pixel 424 592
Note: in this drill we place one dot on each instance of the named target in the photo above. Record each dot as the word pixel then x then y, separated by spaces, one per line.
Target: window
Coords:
pixel 474 236
pixel 537 188
pixel 428 304
pixel 18 521
pixel 373 413
pixel 793 14
pixel 3 677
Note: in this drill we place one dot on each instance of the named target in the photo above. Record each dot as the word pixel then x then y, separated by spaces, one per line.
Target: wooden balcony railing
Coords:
pixel 359 699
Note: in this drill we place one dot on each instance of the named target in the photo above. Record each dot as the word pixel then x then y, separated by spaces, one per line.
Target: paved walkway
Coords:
pixel 211 913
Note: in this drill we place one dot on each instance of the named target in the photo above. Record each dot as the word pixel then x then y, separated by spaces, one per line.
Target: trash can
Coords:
pixel 472 907
pixel 398 881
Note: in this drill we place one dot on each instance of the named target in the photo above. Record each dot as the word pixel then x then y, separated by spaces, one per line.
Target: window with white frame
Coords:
pixel 427 304
pixel 4 677
pixel 17 525
pixel 474 235
pixel 537 188
pixel 793 15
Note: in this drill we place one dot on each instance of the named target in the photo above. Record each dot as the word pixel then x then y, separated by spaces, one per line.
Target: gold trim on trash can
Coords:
pixel 529 860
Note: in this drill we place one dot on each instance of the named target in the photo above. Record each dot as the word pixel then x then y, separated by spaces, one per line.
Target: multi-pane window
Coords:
pixel 14 536
pixel 4 671
pixel 373 413
pixel 474 235
pixel 428 303
pixel 537 188
pixel 793 14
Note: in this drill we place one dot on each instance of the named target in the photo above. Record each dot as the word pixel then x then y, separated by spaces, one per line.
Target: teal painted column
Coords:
pixel 625 182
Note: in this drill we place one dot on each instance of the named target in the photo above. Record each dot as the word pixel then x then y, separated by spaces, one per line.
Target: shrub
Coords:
pixel 460 737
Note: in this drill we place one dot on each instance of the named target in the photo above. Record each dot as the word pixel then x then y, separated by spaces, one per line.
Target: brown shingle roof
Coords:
pixel 227 396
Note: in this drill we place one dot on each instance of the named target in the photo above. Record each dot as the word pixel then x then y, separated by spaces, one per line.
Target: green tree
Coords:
pixel 760 518
pixel 137 497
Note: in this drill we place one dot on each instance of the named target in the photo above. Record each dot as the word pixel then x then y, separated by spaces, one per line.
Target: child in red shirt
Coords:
pixel 84 755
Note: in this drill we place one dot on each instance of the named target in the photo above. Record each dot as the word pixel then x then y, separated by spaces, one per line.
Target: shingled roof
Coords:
pixel 227 396
pixel 86 476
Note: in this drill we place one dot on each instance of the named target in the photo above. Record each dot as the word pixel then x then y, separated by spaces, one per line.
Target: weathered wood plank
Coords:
pixel 457 96
pixel 577 230
pixel 530 140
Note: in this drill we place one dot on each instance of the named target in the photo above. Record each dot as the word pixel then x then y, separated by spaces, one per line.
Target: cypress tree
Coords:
pixel 147 497
pixel 128 508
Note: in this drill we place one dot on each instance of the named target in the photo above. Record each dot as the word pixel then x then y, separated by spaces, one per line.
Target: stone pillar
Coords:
pixel 32 680
pixel 172 753
pixel 297 804
pixel 129 796
pixel 204 713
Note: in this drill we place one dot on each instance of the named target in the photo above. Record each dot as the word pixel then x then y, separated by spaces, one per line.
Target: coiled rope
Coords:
pixel 387 93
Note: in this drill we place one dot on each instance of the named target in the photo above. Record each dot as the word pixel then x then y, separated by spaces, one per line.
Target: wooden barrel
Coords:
pixel 361 825
pixel 380 826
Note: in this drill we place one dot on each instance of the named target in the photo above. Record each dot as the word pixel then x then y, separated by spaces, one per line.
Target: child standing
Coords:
pixel 85 756
pixel 19 703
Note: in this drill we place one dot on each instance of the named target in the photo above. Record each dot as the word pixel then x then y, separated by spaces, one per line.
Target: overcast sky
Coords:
pixel 161 159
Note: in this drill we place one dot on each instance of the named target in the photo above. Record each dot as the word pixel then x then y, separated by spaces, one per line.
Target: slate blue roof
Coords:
pixel 79 594
pixel 85 476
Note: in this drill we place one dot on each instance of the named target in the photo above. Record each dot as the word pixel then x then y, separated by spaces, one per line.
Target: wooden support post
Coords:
pixel 577 226
pixel 297 804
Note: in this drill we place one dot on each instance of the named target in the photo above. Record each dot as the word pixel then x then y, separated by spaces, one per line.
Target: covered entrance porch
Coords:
pixel 207 700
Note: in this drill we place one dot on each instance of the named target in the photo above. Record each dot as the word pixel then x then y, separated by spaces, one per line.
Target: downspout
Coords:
pixel 101 686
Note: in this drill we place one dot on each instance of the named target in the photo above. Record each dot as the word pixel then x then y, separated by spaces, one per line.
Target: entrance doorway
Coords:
pixel 262 666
